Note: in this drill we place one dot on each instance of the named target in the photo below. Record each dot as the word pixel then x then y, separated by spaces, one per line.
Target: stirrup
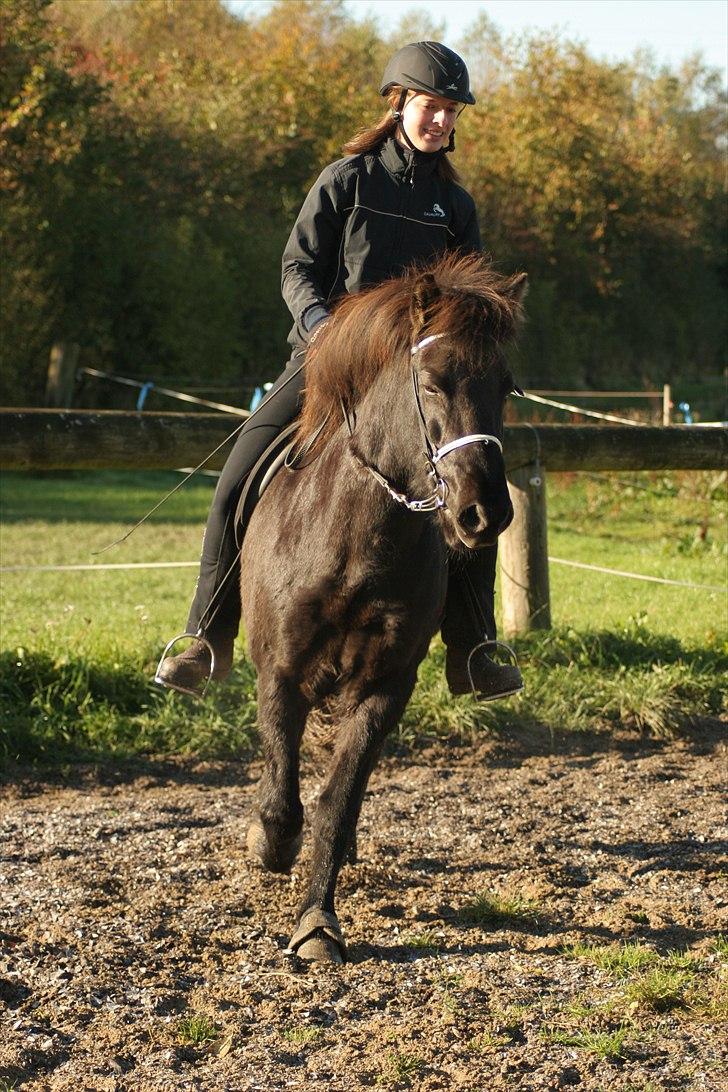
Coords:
pixel 186 689
pixel 491 644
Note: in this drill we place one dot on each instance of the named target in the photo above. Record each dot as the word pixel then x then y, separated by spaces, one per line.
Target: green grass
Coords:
pixel 621 960
pixel 488 1042
pixel 653 983
pixel 196 1029
pixel 426 941
pixel 491 908
pixel 660 990
pixel 399 1068
pixel 302 1036
pixel 605 1045
pixel 78 649
pixel 720 945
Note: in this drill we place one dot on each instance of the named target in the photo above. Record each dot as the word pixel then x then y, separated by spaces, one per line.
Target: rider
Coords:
pixel 392 201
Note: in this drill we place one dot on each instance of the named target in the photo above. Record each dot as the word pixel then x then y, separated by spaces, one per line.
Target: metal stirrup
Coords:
pixel 186 689
pixel 486 644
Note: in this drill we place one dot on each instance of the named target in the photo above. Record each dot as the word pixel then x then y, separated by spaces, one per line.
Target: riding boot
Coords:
pixel 469 632
pixel 190 670
pixel 214 620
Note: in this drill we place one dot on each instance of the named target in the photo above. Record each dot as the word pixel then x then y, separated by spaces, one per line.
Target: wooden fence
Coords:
pixel 91 440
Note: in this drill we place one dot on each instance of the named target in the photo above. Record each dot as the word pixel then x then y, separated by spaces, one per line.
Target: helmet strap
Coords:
pixel 397 115
pixel 397 112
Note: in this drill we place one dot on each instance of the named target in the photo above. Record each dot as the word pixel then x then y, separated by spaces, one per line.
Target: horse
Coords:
pixel 399 463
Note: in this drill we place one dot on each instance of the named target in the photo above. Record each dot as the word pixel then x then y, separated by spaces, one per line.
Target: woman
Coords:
pixel 392 201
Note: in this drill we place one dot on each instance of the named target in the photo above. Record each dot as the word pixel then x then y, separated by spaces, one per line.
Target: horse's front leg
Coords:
pixel 359 742
pixel 274 837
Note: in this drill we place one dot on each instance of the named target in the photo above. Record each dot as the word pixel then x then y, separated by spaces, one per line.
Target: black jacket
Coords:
pixel 366 218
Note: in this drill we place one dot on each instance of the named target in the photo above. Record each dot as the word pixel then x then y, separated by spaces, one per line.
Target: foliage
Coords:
pixel 155 155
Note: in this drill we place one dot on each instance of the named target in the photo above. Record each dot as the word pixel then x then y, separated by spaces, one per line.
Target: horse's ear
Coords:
pixel 424 294
pixel 519 288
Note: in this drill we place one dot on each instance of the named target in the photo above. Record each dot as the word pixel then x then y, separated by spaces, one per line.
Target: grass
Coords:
pixel 426 941
pixel 605 1045
pixel 720 945
pixel 195 1029
pixel 399 1067
pixel 654 983
pixel 622 960
pixel 302 1036
pixel 490 908
pixel 488 1042
pixel 660 990
pixel 78 649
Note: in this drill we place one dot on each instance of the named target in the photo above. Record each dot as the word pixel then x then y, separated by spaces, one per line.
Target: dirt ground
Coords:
pixel 141 949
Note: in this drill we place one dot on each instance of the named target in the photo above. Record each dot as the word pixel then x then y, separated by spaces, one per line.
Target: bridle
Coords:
pixel 433 455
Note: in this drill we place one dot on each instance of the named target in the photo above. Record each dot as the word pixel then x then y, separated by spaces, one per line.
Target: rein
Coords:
pixel 437 499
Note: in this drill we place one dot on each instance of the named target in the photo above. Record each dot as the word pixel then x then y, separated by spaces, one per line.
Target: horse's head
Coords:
pixel 447 325
pixel 462 314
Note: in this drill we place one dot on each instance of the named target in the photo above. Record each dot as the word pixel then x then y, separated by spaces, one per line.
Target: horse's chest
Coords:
pixel 360 629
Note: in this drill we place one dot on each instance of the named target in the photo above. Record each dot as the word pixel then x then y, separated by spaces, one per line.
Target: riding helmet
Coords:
pixel 429 66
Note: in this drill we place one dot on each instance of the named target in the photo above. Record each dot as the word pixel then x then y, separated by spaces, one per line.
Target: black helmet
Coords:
pixel 429 66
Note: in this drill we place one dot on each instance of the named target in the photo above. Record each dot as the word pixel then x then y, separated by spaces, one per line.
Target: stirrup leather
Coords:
pixel 186 689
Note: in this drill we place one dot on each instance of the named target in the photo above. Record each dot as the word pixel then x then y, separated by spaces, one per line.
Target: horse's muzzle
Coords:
pixel 477 526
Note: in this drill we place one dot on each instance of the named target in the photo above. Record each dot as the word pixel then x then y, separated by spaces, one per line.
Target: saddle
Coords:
pixel 260 476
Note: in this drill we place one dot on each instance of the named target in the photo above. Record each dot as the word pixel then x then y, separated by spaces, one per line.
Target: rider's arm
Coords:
pixel 311 257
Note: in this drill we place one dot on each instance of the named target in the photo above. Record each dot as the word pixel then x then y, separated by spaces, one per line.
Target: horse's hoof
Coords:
pixel 276 859
pixel 320 949
pixel 318 938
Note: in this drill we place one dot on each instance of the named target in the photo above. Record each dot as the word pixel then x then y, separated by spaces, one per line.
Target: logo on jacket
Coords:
pixel 436 210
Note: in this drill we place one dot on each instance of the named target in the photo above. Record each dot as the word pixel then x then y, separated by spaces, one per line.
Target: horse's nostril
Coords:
pixel 472 519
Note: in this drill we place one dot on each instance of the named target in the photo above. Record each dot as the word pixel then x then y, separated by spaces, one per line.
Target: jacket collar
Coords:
pixel 401 161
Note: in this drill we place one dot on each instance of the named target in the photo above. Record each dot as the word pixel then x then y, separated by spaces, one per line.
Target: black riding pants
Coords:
pixel 215 611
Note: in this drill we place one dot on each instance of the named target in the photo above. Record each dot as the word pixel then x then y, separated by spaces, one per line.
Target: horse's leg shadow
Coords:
pixel 359 742
pixel 275 834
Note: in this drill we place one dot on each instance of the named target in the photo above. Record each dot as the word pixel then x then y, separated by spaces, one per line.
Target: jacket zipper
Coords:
pixel 408 182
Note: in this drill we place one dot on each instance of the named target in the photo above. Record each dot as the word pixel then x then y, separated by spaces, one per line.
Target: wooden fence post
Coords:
pixel 666 404
pixel 61 375
pixel 523 553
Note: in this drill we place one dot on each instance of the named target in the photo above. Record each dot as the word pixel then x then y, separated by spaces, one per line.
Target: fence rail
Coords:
pixel 36 439
pixel 91 440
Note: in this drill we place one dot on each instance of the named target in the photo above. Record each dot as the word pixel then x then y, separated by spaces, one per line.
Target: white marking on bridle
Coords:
pixel 472 438
pixel 424 343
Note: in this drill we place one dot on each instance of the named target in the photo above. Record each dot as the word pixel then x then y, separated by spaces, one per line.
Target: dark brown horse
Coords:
pixel 345 559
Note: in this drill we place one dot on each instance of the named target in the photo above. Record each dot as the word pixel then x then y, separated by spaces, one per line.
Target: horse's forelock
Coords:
pixel 461 296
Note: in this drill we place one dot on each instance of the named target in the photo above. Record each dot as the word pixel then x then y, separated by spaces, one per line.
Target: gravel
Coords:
pixel 128 907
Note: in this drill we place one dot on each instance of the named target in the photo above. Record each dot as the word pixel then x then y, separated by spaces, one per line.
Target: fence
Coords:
pixel 91 439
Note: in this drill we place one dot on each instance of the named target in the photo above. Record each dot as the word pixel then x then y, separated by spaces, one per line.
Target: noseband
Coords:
pixel 433 454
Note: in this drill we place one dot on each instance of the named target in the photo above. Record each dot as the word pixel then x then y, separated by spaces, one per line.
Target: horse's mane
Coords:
pixel 460 295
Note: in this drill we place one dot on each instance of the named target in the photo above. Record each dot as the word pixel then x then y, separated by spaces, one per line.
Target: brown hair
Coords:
pixel 372 137
pixel 460 295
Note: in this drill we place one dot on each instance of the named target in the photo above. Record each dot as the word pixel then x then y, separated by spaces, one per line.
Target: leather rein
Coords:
pixel 437 499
